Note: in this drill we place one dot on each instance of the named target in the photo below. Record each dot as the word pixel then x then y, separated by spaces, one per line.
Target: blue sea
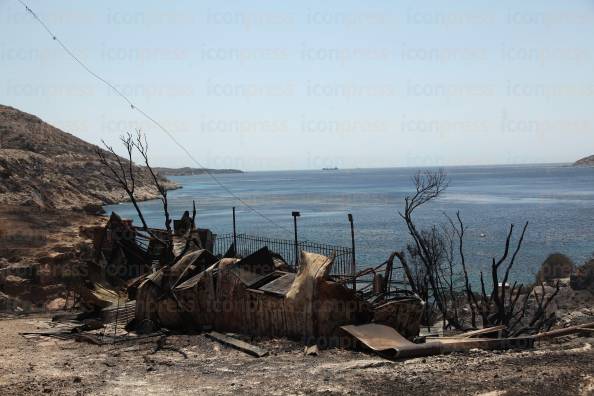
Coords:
pixel 556 200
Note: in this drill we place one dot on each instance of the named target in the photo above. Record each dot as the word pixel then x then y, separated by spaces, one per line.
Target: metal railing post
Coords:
pixel 295 215
pixel 235 235
pixel 353 260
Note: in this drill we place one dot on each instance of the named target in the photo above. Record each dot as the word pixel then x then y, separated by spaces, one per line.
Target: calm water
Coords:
pixel 557 200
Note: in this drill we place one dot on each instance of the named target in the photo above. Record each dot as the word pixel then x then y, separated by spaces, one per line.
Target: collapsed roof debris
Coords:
pixel 174 282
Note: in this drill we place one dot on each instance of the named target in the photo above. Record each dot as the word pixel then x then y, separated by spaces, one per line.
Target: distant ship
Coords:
pixel 335 168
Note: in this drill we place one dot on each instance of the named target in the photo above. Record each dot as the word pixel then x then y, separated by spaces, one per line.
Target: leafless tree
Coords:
pixel 498 294
pixel 500 306
pixel 449 278
pixel 141 145
pixel 416 274
pixel 438 272
pixel 430 246
pixel 122 171
pixel 539 320
pixel 459 230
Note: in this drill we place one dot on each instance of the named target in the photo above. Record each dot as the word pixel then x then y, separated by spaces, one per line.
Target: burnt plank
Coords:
pixel 237 344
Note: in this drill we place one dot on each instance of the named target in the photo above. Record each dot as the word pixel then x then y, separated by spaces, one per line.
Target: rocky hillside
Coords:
pixel 44 167
pixel 587 161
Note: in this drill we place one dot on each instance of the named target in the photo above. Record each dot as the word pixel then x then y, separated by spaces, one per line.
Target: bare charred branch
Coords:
pixel 141 145
pixel 121 173
pixel 430 246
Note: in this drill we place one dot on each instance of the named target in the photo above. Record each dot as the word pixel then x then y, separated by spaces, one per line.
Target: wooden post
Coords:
pixel 353 261
pixel 295 215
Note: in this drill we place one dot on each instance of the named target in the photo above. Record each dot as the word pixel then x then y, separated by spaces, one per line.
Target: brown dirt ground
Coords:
pixel 52 366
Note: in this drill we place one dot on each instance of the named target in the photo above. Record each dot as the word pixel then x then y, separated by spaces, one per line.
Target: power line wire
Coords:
pixel 147 116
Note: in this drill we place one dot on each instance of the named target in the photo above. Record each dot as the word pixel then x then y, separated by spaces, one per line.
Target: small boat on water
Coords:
pixel 330 169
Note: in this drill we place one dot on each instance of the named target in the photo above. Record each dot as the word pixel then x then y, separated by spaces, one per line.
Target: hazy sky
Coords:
pixel 310 84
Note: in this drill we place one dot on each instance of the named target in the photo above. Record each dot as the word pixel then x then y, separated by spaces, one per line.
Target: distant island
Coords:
pixel 187 171
pixel 587 161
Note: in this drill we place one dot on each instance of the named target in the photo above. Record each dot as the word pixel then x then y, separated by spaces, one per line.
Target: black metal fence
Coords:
pixel 248 244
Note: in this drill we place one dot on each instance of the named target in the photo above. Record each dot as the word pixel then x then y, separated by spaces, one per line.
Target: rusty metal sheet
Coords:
pixel 280 286
pixel 387 341
pixel 190 283
pixel 254 267
pixel 378 337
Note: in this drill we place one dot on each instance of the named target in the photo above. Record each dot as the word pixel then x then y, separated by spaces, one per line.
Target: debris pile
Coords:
pixel 148 282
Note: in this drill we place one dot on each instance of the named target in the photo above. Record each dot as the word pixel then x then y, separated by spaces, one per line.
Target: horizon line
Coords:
pixel 568 164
